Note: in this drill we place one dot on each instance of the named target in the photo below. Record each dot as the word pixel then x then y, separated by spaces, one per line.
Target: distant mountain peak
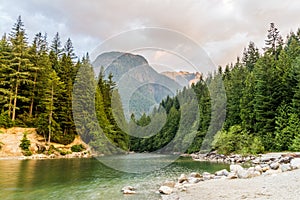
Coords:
pixel 184 78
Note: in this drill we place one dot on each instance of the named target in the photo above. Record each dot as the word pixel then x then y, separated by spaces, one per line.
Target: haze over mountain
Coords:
pixel 139 85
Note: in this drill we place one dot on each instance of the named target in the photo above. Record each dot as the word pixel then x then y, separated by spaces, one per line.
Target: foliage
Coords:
pixel 237 140
pixel 77 148
pixel 25 144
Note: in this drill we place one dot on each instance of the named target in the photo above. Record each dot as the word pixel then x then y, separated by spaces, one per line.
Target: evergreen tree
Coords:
pixel 20 66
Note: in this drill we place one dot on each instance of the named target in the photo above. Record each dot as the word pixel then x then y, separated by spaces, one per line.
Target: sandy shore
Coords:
pixel 277 186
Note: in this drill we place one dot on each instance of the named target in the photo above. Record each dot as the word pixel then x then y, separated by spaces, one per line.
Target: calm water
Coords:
pixel 89 178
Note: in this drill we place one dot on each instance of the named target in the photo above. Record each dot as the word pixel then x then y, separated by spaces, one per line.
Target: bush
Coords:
pixel 64 152
pixel 25 143
pixel 77 148
pixel 27 153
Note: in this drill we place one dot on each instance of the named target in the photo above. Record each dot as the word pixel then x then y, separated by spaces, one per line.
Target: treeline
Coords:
pixel 262 107
pixel 36 87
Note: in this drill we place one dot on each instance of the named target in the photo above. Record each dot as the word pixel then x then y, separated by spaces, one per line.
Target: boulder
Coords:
pixel 258 168
pixel 127 188
pixel 274 165
pixel 182 178
pixel 195 180
pixel 232 175
pixel 207 176
pixel 129 192
pixel 165 190
pixel 195 175
pixel 222 172
pixel 170 184
pixel 285 167
pixel 295 163
pixel 236 168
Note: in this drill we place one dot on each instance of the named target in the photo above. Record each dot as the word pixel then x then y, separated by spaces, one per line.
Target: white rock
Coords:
pixel 222 172
pixel 129 192
pixel 258 168
pixel 236 168
pixel 182 178
pixel 170 184
pixel 127 188
pixel 195 175
pixel 285 167
pixel 165 190
pixel 194 180
pixel 232 175
pixel 295 163
pixel 274 165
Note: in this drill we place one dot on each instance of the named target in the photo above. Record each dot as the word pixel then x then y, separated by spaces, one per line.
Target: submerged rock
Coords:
pixel 128 190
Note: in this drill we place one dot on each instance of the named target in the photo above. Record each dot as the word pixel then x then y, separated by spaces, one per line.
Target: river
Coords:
pixel 89 178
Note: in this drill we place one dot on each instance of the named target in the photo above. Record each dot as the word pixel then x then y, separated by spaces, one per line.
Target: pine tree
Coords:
pixel 250 56
pixel 20 65
pixel 274 41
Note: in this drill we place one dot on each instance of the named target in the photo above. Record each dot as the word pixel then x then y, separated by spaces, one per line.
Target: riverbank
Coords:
pixel 278 186
pixel 267 176
pixel 10 140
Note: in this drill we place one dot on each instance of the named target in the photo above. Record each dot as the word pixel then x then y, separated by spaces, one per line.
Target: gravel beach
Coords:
pixel 277 186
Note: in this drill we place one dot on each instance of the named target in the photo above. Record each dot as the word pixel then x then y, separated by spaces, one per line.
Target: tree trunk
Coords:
pixel 32 98
pixel 50 114
pixel 15 102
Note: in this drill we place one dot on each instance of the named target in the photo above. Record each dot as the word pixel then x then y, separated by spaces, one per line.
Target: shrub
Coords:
pixel 77 148
pixel 25 143
pixel 64 152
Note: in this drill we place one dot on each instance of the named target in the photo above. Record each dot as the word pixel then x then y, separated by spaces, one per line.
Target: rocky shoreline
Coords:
pixel 241 167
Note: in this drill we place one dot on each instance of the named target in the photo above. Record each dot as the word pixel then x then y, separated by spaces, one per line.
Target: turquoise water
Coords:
pixel 89 178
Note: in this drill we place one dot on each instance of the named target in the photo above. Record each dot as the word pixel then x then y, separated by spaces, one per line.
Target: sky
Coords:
pixel 222 28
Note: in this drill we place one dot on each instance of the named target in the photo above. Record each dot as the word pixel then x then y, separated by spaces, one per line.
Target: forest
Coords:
pixel 260 114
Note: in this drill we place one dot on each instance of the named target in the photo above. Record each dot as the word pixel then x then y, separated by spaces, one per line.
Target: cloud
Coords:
pixel 222 28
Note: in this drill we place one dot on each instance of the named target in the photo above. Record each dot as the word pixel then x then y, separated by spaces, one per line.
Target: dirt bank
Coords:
pixel 11 138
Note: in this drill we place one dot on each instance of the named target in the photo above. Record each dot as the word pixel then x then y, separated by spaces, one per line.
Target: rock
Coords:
pixel 258 168
pixel 195 180
pixel 182 178
pixel 271 172
pixel 207 176
pixel 195 175
pixel 274 165
pixel 286 159
pixel 129 192
pixel 222 172
pixel 285 167
pixel 295 163
pixel 170 184
pixel 128 188
pixel 170 197
pixel 232 175
pixel 236 168
pixel 266 168
pixel 165 190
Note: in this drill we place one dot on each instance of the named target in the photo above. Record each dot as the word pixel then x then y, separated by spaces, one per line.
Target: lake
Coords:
pixel 91 179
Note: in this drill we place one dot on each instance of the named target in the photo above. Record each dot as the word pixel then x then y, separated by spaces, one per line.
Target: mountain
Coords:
pixel 140 86
pixel 183 78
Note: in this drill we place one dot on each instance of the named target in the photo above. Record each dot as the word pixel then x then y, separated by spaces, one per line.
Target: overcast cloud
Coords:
pixel 222 27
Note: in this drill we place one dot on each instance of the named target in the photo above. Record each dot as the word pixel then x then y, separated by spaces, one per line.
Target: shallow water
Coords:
pixel 91 179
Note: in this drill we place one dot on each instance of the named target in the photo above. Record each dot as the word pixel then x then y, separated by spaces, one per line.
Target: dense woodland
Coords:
pixel 261 111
